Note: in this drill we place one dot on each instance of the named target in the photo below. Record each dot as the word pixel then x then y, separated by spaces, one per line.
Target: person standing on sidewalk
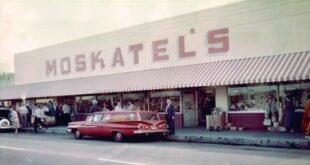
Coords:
pixel 289 115
pixel 38 117
pixel 29 114
pixel 131 106
pixel 306 119
pixel 271 110
pixel 59 115
pixel 23 111
pixel 118 107
pixel 170 115
pixel 95 107
pixel 66 111
pixel 51 108
pixel 15 120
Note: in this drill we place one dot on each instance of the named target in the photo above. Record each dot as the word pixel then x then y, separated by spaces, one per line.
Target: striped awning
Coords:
pixel 276 68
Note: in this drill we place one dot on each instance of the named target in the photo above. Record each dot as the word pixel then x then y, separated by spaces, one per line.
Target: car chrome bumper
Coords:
pixel 151 131
pixel 69 130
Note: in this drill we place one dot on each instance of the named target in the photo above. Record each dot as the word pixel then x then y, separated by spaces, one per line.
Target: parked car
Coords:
pixel 5 118
pixel 119 125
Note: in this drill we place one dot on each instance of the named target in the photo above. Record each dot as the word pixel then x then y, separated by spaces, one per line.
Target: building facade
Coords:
pixel 232 57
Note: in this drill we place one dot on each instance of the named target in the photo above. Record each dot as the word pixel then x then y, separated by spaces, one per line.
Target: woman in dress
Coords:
pixel 15 120
pixel 306 118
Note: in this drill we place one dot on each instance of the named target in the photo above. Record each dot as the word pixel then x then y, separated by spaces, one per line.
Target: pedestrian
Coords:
pixel 58 116
pixel 289 115
pixel 29 114
pixel 45 108
pixel 118 107
pixel 305 127
pixel 104 108
pixel 170 116
pixel 94 107
pixel 15 120
pixel 38 117
pixel 51 107
pixel 131 106
pixel 271 110
pixel 23 111
pixel 66 109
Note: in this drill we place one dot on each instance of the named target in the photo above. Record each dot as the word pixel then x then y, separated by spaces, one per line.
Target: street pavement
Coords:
pixel 44 149
pixel 201 135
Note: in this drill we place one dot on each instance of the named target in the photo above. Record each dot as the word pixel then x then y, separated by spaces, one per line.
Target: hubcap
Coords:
pixel 77 133
pixel 119 136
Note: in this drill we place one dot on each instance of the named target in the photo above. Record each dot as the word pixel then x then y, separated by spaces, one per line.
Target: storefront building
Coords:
pixel 232 57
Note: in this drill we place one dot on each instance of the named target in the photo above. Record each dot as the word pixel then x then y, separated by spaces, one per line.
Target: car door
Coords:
pixel 104 127
pixel 94 127
pixel 88 127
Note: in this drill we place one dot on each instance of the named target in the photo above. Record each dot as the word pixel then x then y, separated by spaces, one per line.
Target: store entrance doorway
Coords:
pixel 189 104
pixel 206 103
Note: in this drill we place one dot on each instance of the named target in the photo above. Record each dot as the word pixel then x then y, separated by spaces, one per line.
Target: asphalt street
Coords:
pixel 46 149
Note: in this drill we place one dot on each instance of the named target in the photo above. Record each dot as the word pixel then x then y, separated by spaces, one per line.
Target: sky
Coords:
pixel 30 24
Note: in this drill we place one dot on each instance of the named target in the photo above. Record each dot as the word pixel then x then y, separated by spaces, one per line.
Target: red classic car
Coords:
pixel 119 125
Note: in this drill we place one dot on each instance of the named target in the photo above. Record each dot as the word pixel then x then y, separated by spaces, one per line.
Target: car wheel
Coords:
pixel 4 123
pixel 118 137
pixel 77 134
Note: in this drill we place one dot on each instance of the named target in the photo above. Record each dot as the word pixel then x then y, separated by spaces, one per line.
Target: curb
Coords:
pixel 293 144
pixel 48 131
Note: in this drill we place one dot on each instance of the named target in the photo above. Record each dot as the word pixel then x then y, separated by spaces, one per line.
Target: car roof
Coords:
pixel 4 108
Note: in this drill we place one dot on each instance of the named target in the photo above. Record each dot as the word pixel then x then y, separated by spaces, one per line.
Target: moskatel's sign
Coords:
pixel 217 42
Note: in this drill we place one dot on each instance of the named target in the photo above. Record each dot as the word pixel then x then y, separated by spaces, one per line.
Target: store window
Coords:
pixel 135 101
pixel 158 100
pixel 299 92
pixel 108 101
pixel 83 103
pixel 250 98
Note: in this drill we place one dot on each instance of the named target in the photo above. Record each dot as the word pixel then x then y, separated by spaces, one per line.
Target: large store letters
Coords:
pixel 64 65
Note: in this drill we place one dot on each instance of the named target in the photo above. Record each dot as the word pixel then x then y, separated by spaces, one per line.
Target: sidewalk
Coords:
pixel 250 138
pixel 201 135
pixel 50 130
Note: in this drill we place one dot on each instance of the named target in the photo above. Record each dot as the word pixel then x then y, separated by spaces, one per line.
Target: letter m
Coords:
pixel 51 68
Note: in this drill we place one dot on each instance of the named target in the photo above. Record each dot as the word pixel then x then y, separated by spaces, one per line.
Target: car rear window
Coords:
pixel 148 116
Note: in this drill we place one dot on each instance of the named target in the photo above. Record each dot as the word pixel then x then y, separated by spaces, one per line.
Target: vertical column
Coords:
pixel 221 99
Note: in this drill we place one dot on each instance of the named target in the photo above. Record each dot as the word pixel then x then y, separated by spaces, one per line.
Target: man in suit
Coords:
pixel 51 108
pixel 170 115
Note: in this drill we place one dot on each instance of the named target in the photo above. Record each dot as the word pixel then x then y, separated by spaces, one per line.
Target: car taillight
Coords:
pixel 163 126
pixel 142 126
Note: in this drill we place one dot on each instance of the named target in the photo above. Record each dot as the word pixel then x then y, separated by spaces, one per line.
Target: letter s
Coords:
pixel 223 40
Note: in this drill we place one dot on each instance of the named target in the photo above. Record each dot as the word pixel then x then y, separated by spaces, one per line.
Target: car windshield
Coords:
pixel 4 113
pixel 148 116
